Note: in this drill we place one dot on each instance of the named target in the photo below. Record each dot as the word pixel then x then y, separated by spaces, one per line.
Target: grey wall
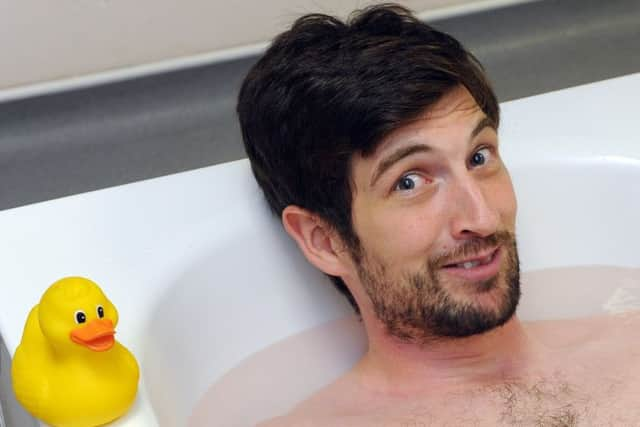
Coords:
pixel 67 143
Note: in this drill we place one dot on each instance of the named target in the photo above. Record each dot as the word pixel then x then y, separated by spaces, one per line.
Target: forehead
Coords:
pixel 455 111
pixel 445 128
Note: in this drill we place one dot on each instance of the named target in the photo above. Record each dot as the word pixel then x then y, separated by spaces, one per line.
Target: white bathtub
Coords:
pixel 231 325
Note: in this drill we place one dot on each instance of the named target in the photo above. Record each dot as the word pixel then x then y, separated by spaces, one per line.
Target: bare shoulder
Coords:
pixel 623 331
pixel 571 332
pixel 608 345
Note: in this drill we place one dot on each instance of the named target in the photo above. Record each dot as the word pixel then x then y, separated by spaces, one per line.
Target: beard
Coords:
pixel 419 307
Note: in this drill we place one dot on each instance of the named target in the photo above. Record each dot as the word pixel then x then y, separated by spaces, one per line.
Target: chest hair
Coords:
pixel 548 403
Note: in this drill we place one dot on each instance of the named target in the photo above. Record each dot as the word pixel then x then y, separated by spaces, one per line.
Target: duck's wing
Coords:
pixel 31 387
pixel 131 363
pixel 30 384
pixel 32 337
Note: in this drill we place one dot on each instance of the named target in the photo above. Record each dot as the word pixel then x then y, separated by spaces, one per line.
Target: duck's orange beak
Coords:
pixel 96 335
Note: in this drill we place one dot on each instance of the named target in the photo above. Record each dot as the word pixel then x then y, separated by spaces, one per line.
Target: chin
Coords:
pixel 486 307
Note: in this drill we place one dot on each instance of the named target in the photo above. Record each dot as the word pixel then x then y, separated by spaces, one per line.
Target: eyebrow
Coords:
pixel 420 148
pixel 483 123
pixel 397 156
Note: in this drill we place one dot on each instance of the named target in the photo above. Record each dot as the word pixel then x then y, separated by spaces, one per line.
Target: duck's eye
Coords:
pixel 100 312
pixel 80 317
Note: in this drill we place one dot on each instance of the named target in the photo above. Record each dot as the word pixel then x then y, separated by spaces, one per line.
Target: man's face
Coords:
pixel 434 210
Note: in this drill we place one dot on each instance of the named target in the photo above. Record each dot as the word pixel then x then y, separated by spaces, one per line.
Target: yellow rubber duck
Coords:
pixel 68 370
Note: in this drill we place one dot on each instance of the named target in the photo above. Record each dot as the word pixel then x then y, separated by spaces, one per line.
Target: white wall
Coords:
pixel 47 40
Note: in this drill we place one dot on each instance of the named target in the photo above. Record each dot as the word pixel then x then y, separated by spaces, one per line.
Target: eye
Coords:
pixel 80 317
pixel 100 311
pixel 480 157
pixel 409 182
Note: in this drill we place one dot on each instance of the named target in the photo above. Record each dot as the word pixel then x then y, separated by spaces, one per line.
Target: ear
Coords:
pixel 316 239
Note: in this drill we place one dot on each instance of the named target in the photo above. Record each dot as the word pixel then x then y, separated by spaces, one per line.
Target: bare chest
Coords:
pixel 552 402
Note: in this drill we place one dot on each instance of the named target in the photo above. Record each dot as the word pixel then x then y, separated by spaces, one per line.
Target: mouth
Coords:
pixel 96 335
pixel 103 343
pixel 480 267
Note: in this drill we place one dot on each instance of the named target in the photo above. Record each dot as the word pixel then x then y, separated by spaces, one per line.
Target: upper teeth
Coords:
pixel 471 264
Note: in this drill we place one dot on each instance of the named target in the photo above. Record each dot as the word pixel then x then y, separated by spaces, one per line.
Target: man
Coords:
pixel 376 142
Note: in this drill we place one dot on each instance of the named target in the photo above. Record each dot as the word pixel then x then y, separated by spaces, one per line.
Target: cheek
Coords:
pixel 504 199
pixel 401 236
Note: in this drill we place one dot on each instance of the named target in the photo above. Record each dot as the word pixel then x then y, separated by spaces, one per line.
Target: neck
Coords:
pixel 398 367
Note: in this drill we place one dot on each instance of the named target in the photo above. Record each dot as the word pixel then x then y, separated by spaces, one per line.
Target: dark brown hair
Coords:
pixel 327 89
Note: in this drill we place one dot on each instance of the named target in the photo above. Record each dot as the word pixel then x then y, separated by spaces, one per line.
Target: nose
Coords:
pixel 472 212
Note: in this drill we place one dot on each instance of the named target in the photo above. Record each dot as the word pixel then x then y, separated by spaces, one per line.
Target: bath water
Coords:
pixel 274 379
